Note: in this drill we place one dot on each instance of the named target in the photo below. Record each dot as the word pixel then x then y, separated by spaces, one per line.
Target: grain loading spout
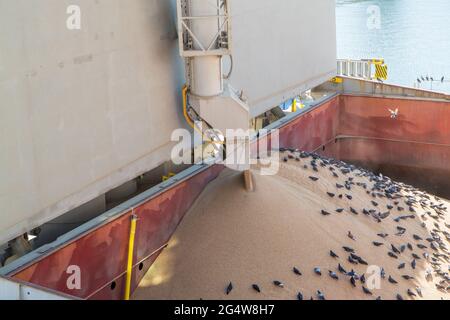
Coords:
pixel 204 28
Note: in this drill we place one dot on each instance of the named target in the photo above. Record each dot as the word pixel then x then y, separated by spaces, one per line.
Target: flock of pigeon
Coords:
pixel 427 78
pixel 403 202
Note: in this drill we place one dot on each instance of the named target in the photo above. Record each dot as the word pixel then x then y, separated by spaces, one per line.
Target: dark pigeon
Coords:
pixel 229 289
pixel 256 288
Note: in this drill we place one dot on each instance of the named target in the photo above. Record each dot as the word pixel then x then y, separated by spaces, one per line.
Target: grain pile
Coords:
pixel 319 229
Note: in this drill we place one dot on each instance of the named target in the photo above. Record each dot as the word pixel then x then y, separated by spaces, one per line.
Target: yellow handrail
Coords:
pixel 134 219
pixel 186 116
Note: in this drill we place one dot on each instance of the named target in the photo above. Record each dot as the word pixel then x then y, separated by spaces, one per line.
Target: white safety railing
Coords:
pixel 367 69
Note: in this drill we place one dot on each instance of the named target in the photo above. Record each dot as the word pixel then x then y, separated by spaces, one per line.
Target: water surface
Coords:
pixel 413 38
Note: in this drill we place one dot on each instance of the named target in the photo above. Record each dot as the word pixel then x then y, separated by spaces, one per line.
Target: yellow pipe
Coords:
pixel 186 116
pixel 134 219
pixel 188 119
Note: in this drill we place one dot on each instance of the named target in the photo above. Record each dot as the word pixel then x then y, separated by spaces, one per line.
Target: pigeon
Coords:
pixel 419 291
pixel 352 210
pixel 331 195
pixel 341 269
pixel 399 297
pixel 383 235
pixel 299 296
pixel 333 275
pixel 394 113
pixel 402 266
pixel 320 295
pixel 367 291
pixel 417 238
pixel 351 236
pixel 392 255
pixel 433 246
pixel 333 255
pixel 256 288
pixel 395 250
pixel 297 271
pixel 406 277
pixel 317 271
pixel 401 229
pixel 352 261
pixel 348 249
pixel 353 281
pixel 392 280
pixel 325 213
pixel 314 179
pixel 229 289
pixel 440 287
pixel 377 244
pixel 359 259
pixel 278 284
pixel 413 264
pixel 385 215
pixel 411 294
pixel 340 210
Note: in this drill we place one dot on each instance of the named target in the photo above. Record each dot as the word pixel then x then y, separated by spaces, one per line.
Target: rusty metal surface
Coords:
pixel 312 129
pixel 419 121
pixel 353 128
pixel 101 254
pixel 425 166
pixel 420 155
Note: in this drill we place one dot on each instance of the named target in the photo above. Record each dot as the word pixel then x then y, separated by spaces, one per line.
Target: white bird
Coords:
pixel 394 114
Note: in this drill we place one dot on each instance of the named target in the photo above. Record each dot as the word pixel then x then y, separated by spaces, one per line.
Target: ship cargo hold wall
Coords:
pixel 327 128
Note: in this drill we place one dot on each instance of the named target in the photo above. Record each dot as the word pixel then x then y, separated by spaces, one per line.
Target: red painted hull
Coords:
pixel 102 253
pixel 351 128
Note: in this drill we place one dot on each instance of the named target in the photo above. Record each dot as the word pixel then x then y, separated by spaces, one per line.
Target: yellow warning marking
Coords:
pixel 378 61
pixel 165 178
pixel 381 72
pixel 336 80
